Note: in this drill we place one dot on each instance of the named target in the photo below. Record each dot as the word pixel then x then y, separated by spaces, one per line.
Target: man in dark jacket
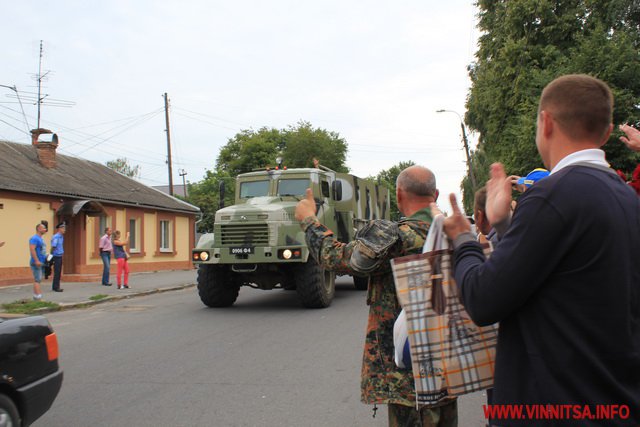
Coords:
pixel 564 282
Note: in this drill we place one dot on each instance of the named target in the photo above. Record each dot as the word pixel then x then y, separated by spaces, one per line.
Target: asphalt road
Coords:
pixel 167 360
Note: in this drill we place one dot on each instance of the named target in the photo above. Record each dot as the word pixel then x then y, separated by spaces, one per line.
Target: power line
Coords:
pixel 9 124
pixel 211 117
pixel 205 121
pixel 139 122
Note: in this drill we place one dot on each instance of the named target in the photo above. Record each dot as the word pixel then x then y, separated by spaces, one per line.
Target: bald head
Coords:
pixel 417 181
pixel 415 189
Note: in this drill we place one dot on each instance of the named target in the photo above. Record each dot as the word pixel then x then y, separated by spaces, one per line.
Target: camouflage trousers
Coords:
pixel 408 416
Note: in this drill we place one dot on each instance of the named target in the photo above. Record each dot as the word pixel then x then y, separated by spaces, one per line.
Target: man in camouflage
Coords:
pixel 380 241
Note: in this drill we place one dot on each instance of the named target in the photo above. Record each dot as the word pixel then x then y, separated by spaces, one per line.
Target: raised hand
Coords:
pixel 632 139
pixel 306 207
pixel 456 223
pixel 498 206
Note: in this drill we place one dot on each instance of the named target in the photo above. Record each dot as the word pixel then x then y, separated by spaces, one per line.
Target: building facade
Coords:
pixel 37 183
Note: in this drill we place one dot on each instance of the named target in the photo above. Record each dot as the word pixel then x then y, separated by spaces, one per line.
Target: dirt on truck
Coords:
pixel 257 241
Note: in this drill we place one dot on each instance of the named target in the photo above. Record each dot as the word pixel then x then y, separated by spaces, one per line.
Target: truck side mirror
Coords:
pixel 221 194
pixel 337 190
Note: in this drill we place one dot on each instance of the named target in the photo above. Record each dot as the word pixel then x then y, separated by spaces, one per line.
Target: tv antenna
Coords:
pixel 38 98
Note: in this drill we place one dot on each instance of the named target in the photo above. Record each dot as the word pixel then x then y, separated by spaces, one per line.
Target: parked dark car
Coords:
pixel 30 377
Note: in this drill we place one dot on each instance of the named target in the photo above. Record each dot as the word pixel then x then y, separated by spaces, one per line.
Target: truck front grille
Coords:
pixel 245 234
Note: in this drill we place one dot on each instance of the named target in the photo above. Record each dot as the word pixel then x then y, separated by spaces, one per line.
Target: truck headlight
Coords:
pixel 287 254
pixel 204 256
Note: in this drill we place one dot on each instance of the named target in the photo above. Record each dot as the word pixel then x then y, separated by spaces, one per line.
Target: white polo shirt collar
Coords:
pixel 591 155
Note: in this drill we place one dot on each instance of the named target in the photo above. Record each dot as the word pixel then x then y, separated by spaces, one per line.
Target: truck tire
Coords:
pixel 315 285
pixel 361 283
pixel 9 415
pixel 216 286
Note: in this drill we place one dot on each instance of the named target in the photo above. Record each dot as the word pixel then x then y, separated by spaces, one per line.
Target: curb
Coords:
pixel 88 303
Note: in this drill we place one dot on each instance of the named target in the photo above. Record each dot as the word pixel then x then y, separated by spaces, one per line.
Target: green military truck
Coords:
pixel 257 242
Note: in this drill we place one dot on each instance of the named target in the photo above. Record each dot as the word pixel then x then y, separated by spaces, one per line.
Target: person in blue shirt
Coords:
pixel 38 251
pixel 57 250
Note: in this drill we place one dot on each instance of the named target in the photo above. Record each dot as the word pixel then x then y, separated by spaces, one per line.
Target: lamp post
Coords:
pixel 466 147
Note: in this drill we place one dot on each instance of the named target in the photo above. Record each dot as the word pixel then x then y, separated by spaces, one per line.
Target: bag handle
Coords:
pixel 435 241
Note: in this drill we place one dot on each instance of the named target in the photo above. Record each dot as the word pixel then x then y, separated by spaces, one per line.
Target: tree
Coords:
pixel 249 150
pixel 298 145
pixel 303 143
pixel 206 195
pixel 388 179
pixel 122 165
pixel 528 43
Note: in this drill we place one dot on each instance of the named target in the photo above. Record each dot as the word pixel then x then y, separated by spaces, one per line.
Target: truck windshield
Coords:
pixel 254 189
pixel 292 187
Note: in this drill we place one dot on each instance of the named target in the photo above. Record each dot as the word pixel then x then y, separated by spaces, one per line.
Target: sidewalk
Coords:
pixel 78 294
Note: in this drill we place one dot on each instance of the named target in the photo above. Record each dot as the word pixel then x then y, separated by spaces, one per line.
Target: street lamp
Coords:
pixel 466 147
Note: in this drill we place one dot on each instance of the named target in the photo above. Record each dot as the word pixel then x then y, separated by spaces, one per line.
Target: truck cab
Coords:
pixel 258 242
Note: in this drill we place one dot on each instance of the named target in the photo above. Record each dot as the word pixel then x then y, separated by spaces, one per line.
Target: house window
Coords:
pixel 166 234
pixel 105 221
pixel 134 235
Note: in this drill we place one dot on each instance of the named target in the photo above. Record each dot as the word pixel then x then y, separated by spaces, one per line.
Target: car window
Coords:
pixel 254 189
pixel 292 187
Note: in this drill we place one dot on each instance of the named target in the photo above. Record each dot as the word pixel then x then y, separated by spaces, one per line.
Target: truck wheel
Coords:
pixel 315 285
pixel 216 286
pixel 8 412
pixel 361 283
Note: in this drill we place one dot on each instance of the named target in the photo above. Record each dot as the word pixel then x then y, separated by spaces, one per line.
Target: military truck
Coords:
pixel 257 242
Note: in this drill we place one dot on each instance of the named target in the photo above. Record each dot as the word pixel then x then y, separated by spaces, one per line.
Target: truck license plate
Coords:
pixel 241 251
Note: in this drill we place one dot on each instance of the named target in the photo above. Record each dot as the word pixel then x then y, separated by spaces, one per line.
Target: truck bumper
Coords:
pixel 259 255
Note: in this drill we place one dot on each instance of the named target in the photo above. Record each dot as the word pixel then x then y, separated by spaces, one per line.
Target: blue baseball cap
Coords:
pixel 534 176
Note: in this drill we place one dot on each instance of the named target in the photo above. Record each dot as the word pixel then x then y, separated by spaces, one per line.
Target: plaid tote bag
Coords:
pixel 450 355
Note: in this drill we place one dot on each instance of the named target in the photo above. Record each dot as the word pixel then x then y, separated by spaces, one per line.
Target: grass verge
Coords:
pixel 28 306
pixel 98 297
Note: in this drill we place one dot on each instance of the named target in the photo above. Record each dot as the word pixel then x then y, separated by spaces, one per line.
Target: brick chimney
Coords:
pixel 46 149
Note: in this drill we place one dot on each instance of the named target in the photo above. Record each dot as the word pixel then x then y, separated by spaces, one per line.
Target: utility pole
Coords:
pixel 466 148
pixel 184 184
pixel 166 116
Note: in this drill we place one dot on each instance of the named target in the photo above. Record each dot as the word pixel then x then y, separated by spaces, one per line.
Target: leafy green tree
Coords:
pixel 249 150
pixel 526 44
pixel 388 179
pixel 298 145
pixel 122 165
pixel 206 195
pixel 303 143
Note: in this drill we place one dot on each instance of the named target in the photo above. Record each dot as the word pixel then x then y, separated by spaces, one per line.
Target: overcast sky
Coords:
pixel 373 71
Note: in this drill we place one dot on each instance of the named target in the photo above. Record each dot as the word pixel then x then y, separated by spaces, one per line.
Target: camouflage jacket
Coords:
pixel 382 381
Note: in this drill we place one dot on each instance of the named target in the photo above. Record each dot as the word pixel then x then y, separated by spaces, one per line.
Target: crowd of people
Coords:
pixel 42 262
pixel 562 281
